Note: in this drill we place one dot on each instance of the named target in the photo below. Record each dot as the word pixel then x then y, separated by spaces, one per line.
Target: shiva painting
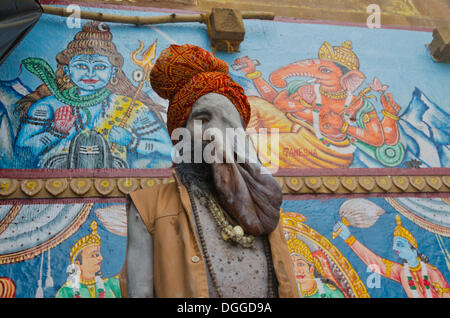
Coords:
pixel 393 248
pixel 88 114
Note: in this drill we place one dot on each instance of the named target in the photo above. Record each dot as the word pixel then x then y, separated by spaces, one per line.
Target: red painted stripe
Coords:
pixel 286 197
pixel 84 173
pixel 362 172
pixel 7 288
pixel 62 201
pixel 327 196
pixel 167 173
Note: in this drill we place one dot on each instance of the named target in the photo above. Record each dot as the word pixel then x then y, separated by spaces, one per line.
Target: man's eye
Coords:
pixel 203 119
pixel 326 71
pixel 81 66
pixel 100 67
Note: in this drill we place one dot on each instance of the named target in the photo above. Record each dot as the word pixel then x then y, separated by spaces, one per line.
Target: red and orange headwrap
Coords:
pixel 183 73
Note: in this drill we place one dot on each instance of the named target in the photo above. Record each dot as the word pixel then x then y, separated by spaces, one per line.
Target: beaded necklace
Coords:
pixel 229 232
pixel 317 288
pixel 238 239
pixel 334 95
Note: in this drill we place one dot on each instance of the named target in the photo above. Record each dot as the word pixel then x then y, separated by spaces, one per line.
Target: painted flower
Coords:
pixel 377 86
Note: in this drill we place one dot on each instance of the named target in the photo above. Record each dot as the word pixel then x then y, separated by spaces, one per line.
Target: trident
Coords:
pixel 145 62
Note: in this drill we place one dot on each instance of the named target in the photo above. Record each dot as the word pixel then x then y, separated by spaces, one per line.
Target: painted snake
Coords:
pixel 44 71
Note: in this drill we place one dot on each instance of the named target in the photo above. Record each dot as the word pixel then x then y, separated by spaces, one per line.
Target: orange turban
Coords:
pixel 183 73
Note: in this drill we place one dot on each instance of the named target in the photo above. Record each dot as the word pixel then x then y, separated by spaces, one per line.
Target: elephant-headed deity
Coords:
pixel 323 120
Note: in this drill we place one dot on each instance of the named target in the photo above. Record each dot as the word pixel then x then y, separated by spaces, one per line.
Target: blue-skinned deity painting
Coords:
pixel 88 114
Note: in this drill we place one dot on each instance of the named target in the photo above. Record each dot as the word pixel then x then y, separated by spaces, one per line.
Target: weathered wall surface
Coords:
pixel 376 169
pixel 417 13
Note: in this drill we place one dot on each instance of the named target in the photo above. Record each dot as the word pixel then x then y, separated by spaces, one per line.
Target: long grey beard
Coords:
pixel 251 199
pixel 199 174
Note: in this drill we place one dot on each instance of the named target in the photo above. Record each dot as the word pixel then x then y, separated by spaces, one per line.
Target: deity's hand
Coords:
pixel 119 135
pixel 331 125
pixel 389 105
pixel 249 68
pixel 342 229
pixel 307 94
pixel 63 119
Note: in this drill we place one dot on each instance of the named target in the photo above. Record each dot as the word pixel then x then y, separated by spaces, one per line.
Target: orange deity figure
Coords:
pixel 323 120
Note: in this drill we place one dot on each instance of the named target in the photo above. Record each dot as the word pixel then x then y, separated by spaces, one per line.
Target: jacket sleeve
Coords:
pixel 145 201
pixel 136 277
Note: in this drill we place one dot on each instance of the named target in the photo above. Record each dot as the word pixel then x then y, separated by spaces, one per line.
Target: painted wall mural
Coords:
pixel 342 97
pixel 339 98
pixel 370 247
pixel 69 250
pixel 88 114
pixel 340 247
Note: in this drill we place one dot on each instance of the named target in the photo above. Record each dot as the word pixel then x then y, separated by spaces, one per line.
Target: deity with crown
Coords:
pixel 88 113
pixel 312 282
pixel 322 118
pixel 85 279
pixel 417 276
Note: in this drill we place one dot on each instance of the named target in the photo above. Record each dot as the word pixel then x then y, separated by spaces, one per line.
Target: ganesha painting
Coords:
pixel 323 120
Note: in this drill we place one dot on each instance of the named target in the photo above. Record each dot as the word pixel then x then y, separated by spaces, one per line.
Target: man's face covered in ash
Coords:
pixel 242 186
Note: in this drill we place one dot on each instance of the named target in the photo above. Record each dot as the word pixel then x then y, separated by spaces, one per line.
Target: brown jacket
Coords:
pixel 179 269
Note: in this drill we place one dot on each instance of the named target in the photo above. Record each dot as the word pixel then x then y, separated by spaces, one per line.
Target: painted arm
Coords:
pixel 139 256
pixel 151 135
pixel 264 88
pixel 439 283
pixel 372 134
pixel 300 103
pixel 378 264
pixel 334 125
pixel 41 128
pixel 147 135
pixel 389 122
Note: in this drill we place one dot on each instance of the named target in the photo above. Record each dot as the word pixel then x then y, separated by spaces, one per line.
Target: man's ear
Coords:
pixel 351 80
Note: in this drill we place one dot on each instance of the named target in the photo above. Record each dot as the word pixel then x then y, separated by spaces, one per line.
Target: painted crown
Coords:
pixel 341 54
pixel 298 247
pixel 400 231
pixel 88 240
